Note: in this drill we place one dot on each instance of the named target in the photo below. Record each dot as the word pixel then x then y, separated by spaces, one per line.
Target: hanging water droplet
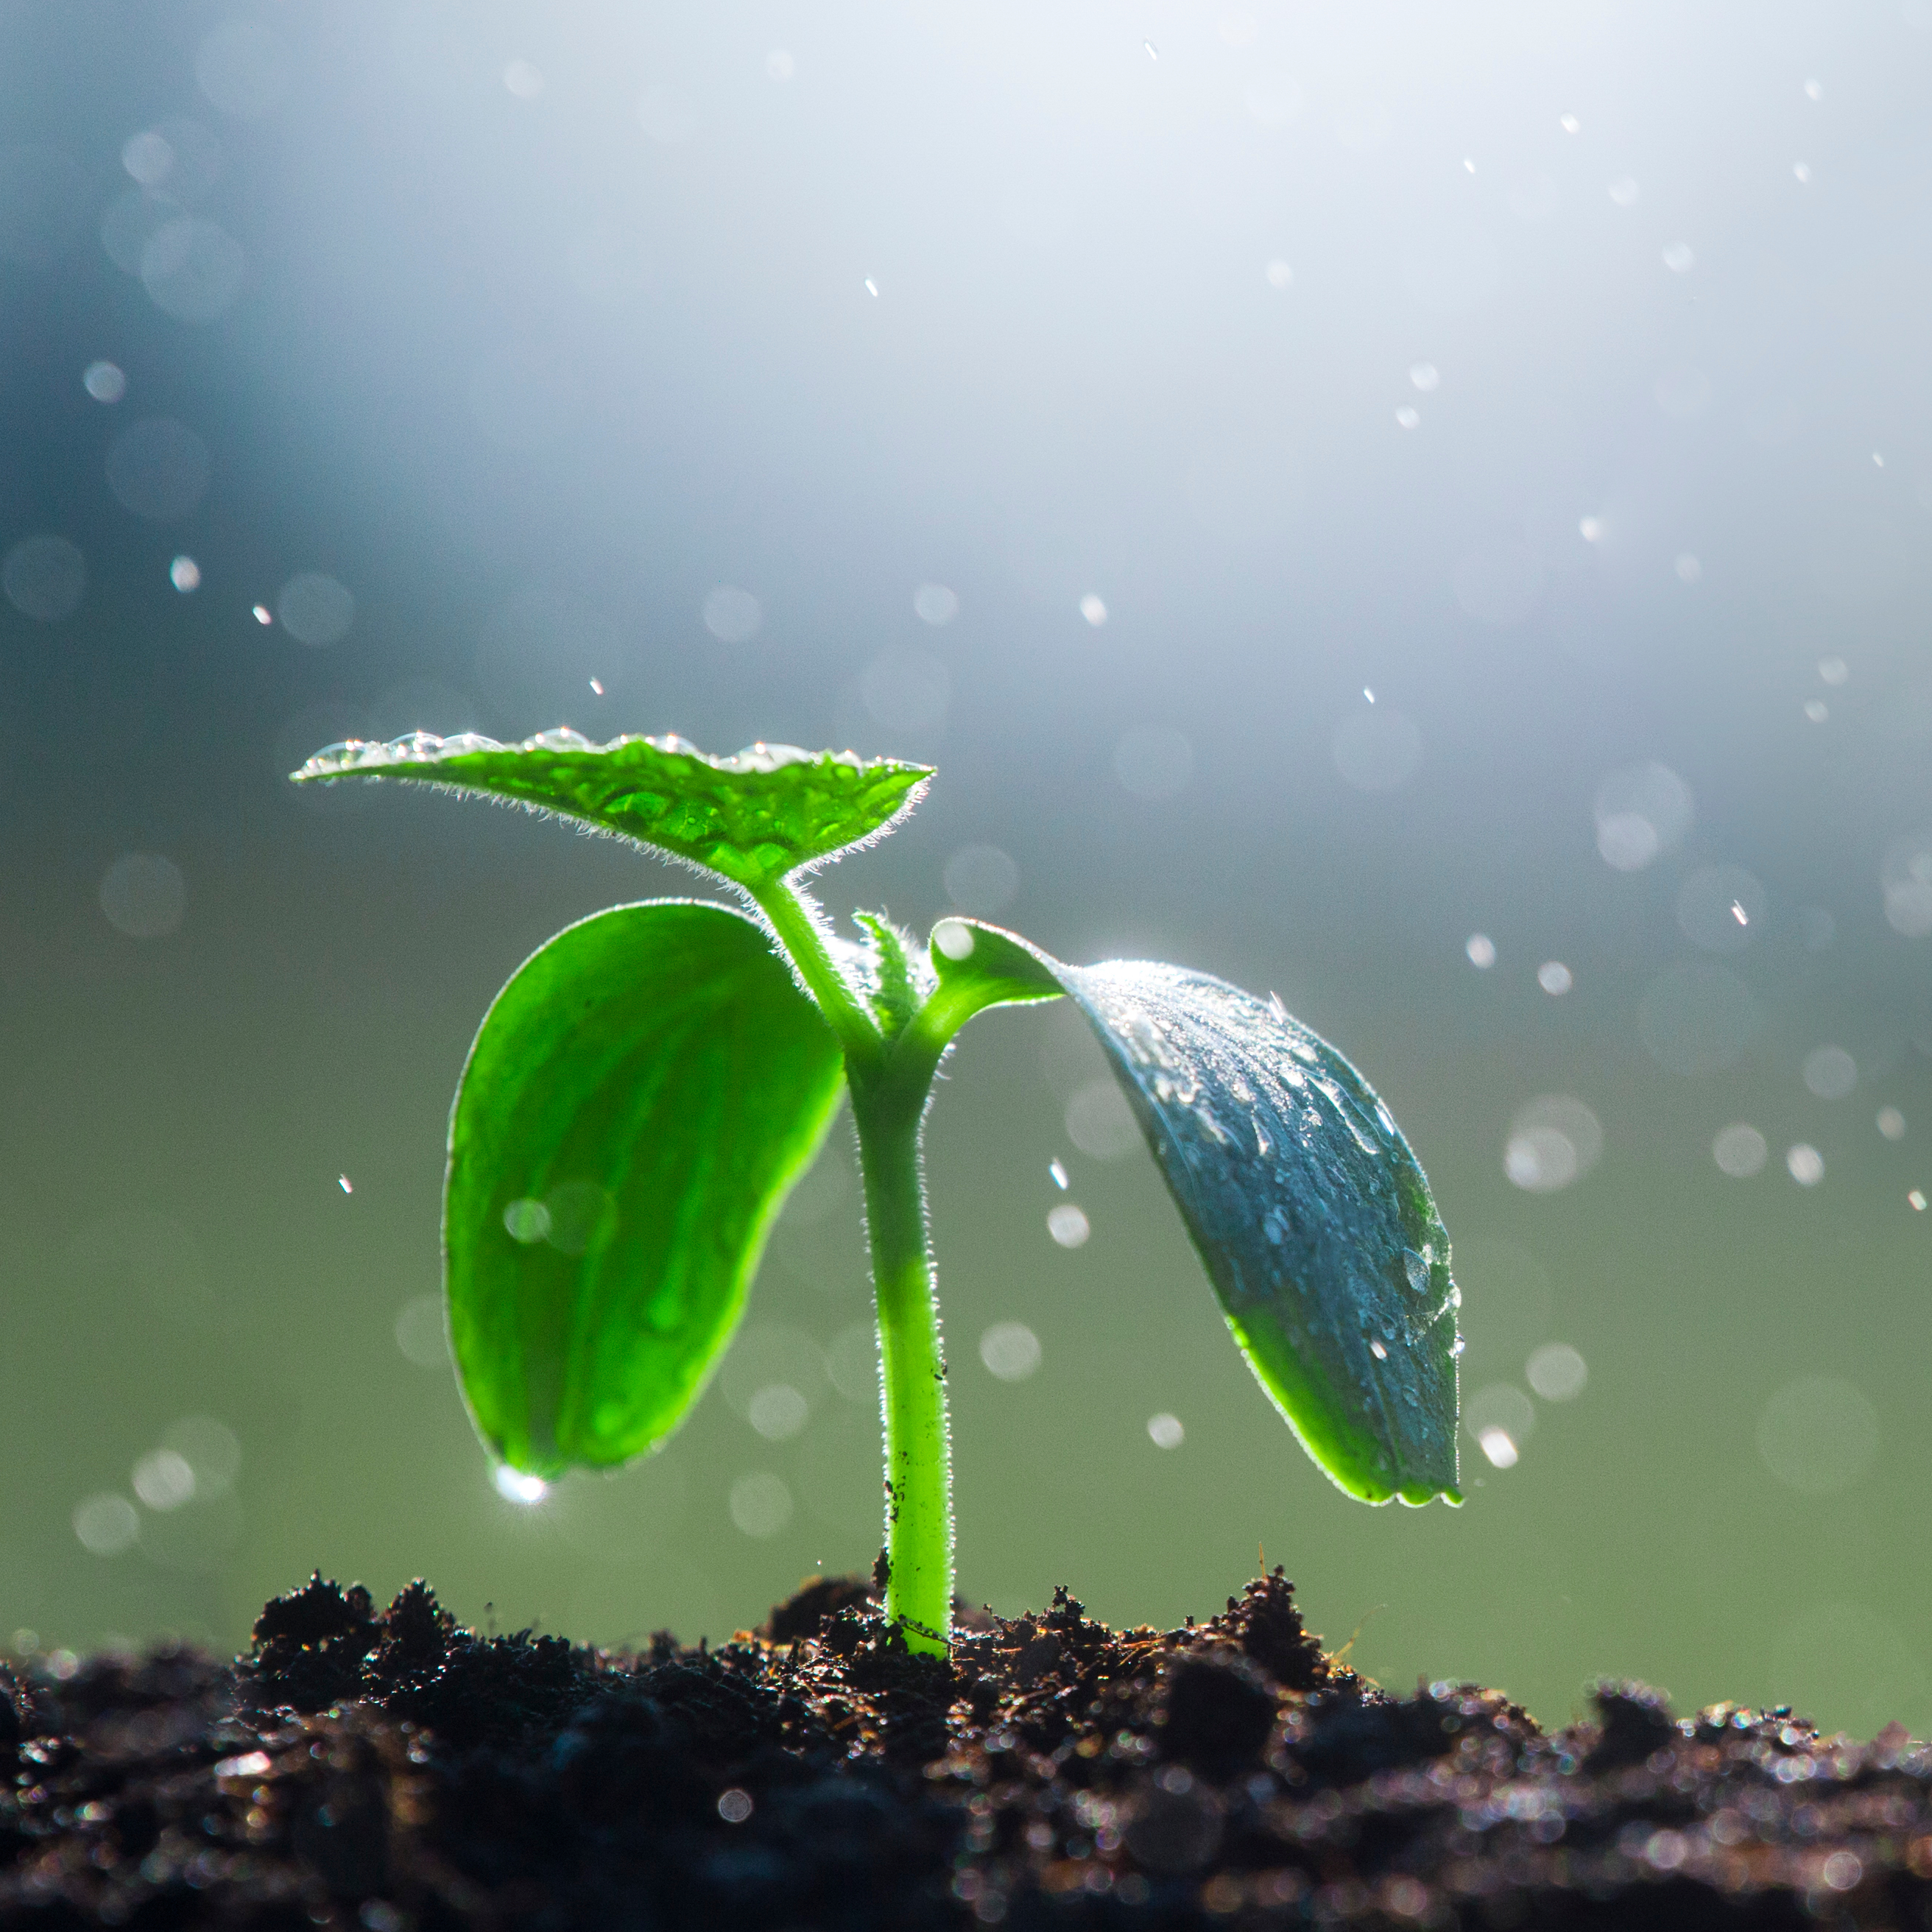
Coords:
pixel 1263 1145
pixel 1276 1007
pixel 1455 1347
pixel 1417 1269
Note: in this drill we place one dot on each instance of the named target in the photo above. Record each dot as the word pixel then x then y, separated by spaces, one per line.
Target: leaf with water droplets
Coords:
pixel 639 1099
pixel 754 817
pixel 1314 1219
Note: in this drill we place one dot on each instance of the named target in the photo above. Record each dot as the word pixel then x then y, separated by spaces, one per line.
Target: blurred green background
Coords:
pixel 1425 513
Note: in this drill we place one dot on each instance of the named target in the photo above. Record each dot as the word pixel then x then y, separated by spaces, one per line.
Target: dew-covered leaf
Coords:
pixel 639 1101
pixel 752 816
pixel 1313 1217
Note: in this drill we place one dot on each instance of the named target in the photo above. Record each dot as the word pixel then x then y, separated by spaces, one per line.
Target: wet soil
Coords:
pixel 389 1771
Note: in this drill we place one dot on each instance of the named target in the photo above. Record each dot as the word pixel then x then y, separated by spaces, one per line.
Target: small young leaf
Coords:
pixel 639 1099
pixel 754 817
pixel 1314 1219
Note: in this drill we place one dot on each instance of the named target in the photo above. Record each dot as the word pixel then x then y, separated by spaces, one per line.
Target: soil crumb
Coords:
pixel 389 1771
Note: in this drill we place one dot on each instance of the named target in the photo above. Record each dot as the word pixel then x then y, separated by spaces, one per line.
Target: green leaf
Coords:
pixel 1313 1217
pixel 754 817
pixel 639 1101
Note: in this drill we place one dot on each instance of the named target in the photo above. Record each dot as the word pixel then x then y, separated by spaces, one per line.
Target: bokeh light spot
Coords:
pixel 1010 1351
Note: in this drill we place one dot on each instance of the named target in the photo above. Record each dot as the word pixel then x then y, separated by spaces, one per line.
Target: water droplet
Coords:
pixel 526 1221
pixel 1624 191
pixel 1407 418
pixel 1891 1123
pixel 1806 1165
pixel 1497 1446
pixel 1740 1151
pixel 1010 1351
pixel 1678 259
pixel 1165 1432
pixel 1817 710
pixel 261 614
pixel 107 1524
pixel 1557 1373
pixel 777 1411
pixel 1834 670
pixel 1830 1072
pixel 1481 950
pixel 1689 569
pixel 524 79
pixel 734 1806
pixel 1813 91
pixel 105 382
pixel 1416 1269
pixel 1276 1007
pixel 1457 1347
pixel 1468 164
pixel 1152 51
pixel 1094 610
pixel 871 288
pixel 1424 375
pixel 1376 1349
pixel 184 573
pixel 1279 274
pixel 597 686
pixel 1590 529
pixel 1069 1226
pixel 1569 124
pixel 517 1486
pixel 1059 1173
pixel 1368 694
pixel 342 1181
pixel 1917 1198
pixel 1554 978
pixel 1800 171
pixel 954 938
pixel 1263 1145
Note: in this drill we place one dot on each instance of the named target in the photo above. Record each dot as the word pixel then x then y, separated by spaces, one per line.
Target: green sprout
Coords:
pixel 650 1084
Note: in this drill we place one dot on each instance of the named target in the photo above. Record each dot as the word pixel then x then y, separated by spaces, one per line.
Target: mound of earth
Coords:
pixel 390 1771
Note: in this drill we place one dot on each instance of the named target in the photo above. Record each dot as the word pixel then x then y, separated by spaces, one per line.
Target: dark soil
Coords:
pixel 390 1772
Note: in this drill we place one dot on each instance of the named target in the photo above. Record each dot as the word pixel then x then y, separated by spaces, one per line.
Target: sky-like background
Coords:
pixel 1424 511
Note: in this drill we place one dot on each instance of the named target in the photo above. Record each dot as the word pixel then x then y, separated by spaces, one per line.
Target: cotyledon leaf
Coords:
pixel 1312 1215
pixel 639 1101
pixel 753 817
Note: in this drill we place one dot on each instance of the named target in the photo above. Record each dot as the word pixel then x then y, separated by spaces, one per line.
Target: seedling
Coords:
pixel 645 1090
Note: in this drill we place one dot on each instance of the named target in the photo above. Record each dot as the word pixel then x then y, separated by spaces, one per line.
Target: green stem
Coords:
pixel 802 940
pixel 919 1458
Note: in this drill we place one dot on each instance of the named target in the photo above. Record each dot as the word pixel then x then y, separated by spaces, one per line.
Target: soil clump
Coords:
pixel 369 1770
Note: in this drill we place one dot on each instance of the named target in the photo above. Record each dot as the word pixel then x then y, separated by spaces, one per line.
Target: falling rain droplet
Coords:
pixel 1481 950
pixel 871 288
pixel 1376 1349
pixel 184 573
pixel 342 1181
pixel 1917 1198
pixel 1059 1173
pixel 1368 694
pixel 262 614
pixel 1152 51
pixel 1738 913
pixel 597 686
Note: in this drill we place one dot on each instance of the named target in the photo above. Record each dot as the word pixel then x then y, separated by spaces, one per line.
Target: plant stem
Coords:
pixel 918 1459
pixel 888 1102
pixel 802 940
